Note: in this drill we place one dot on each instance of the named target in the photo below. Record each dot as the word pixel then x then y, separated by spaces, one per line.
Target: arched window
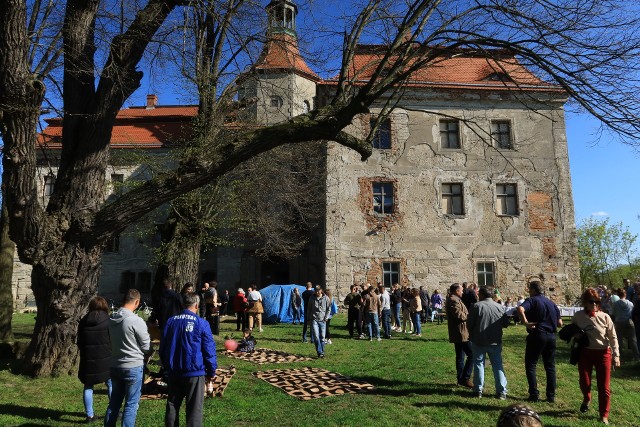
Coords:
pixel 276 101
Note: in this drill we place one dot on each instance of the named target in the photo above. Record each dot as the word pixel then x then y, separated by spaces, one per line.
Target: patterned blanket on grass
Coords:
pixel 154 388
pixel 313 383
pixel 260 356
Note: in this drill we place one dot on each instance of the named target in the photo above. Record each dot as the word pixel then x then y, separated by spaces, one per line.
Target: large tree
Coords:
pixel 589 48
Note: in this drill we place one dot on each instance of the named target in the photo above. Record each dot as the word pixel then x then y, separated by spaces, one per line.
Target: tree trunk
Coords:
pixel 7 249
pixel 61 303
pixel 180 257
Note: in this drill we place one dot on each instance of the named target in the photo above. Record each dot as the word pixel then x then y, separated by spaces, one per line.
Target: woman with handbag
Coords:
pixel 600 353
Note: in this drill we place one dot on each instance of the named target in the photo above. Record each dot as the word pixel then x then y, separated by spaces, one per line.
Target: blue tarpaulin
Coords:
pixel 276 300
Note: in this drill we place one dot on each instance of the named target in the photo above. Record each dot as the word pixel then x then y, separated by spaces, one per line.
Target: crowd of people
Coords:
pixel 114 350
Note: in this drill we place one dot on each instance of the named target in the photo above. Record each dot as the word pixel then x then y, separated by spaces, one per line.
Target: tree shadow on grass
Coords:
pixel 41 416
pixel 385 387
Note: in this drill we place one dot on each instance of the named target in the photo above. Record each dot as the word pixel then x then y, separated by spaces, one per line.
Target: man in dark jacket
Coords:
pixel 541 317
pixel 459 335
pixel 307 312
pixel 169 305
pixel 188 354
pixel 352 301
pixel 424 300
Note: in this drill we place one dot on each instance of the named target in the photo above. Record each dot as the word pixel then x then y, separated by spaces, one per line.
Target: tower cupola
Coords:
pixel 282 17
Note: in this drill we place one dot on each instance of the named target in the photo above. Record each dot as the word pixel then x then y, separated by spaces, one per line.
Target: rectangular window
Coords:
pixel 507 199
pixel 452 199
pixel 49 185
pixel 383 197
pixel 486 274
pixel 382 137
pixel 144 281
pixel 127 281
pixel 390 273
pixel 449 134
pixel 113 245
pixel 501 134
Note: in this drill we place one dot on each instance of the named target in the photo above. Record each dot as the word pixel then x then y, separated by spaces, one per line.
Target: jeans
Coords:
pixel 190 389
pixel 495 356
pixel 386 322
pixel 541 343
pixel 417 326
pixel 127 386
pixel 87 397
pixel 305 327
pixel 372 326
pixel 352 321
pixel 463 368
pixel 396 314
pixel 317 334
pixel 296 315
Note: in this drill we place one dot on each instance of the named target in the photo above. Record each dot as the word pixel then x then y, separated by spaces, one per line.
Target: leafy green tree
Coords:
pixel 602 247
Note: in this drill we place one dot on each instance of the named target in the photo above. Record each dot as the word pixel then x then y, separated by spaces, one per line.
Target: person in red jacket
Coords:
pixel 240 306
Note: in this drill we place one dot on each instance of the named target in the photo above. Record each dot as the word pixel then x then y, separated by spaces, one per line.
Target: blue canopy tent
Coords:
pixel 276 300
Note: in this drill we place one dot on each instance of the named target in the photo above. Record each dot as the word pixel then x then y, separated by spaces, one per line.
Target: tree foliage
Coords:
pixel 588 48
pixel 607 252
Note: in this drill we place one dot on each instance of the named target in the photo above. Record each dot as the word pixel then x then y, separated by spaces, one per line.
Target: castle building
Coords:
pixel 469 178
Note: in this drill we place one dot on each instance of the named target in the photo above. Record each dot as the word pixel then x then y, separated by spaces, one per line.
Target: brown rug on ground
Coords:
pixel 261 356
pixel 154 389
pixel 312 383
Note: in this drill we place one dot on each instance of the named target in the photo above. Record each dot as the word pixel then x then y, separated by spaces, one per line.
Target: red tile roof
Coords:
pixel 281 53
pixel 135 127
pixel 461 70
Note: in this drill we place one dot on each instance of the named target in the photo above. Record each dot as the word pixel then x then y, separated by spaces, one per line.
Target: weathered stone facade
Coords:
pixel 432 248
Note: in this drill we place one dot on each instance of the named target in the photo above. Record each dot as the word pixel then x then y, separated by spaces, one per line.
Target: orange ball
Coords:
pixel 231 345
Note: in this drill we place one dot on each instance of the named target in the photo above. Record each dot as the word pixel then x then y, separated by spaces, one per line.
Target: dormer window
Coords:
pixel 498 77
pixel 276 101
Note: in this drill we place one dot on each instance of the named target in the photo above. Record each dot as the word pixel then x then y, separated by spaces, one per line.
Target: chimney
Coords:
pixel 152 101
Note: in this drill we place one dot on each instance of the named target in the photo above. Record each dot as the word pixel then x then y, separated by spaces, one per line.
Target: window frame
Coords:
pixel 503 197
pixel 482 274
pixel 498 135
pixel 113 245
pixel 276 101
pixel 381 139
pixel 447 133
pixel 388 274
pixel 49 185
pixel 379 208
pixel 448 197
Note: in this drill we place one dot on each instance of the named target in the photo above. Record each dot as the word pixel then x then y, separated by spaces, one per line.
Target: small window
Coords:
pixel 507 199
pixel 306 107
pixel 144 281
pixel 486 274
pixel 113 245
pixel 49 185
pixel 501 134
pixel 127 281
pixel 276 101
pixel 382 137
pixel 449 134
pixel 117 183
pixel 390 273
pixel 383 197
pixel 452 199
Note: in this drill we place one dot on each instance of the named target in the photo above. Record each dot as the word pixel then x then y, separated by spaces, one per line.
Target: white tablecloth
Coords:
pixel 568 311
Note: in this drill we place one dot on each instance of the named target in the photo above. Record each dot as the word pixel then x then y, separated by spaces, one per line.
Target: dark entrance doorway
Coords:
pixel 274 270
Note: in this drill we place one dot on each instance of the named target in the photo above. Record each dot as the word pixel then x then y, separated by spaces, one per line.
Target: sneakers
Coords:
pixel 477 394
pixel 329 342
pixel 584 407
pixel 604 420
pixel 379 339
pixel 502 396
pixel 92 419
pixel 321 355
pixel 261 330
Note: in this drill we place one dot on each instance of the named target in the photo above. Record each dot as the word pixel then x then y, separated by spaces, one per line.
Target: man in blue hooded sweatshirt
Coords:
pixel 188 354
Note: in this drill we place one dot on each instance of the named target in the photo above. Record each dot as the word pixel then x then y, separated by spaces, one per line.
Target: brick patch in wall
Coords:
pixel 540 212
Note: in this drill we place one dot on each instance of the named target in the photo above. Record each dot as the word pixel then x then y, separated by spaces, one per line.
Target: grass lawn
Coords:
pixel 414 380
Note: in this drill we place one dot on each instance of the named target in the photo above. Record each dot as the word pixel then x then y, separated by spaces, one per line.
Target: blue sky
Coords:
pixel 603 174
